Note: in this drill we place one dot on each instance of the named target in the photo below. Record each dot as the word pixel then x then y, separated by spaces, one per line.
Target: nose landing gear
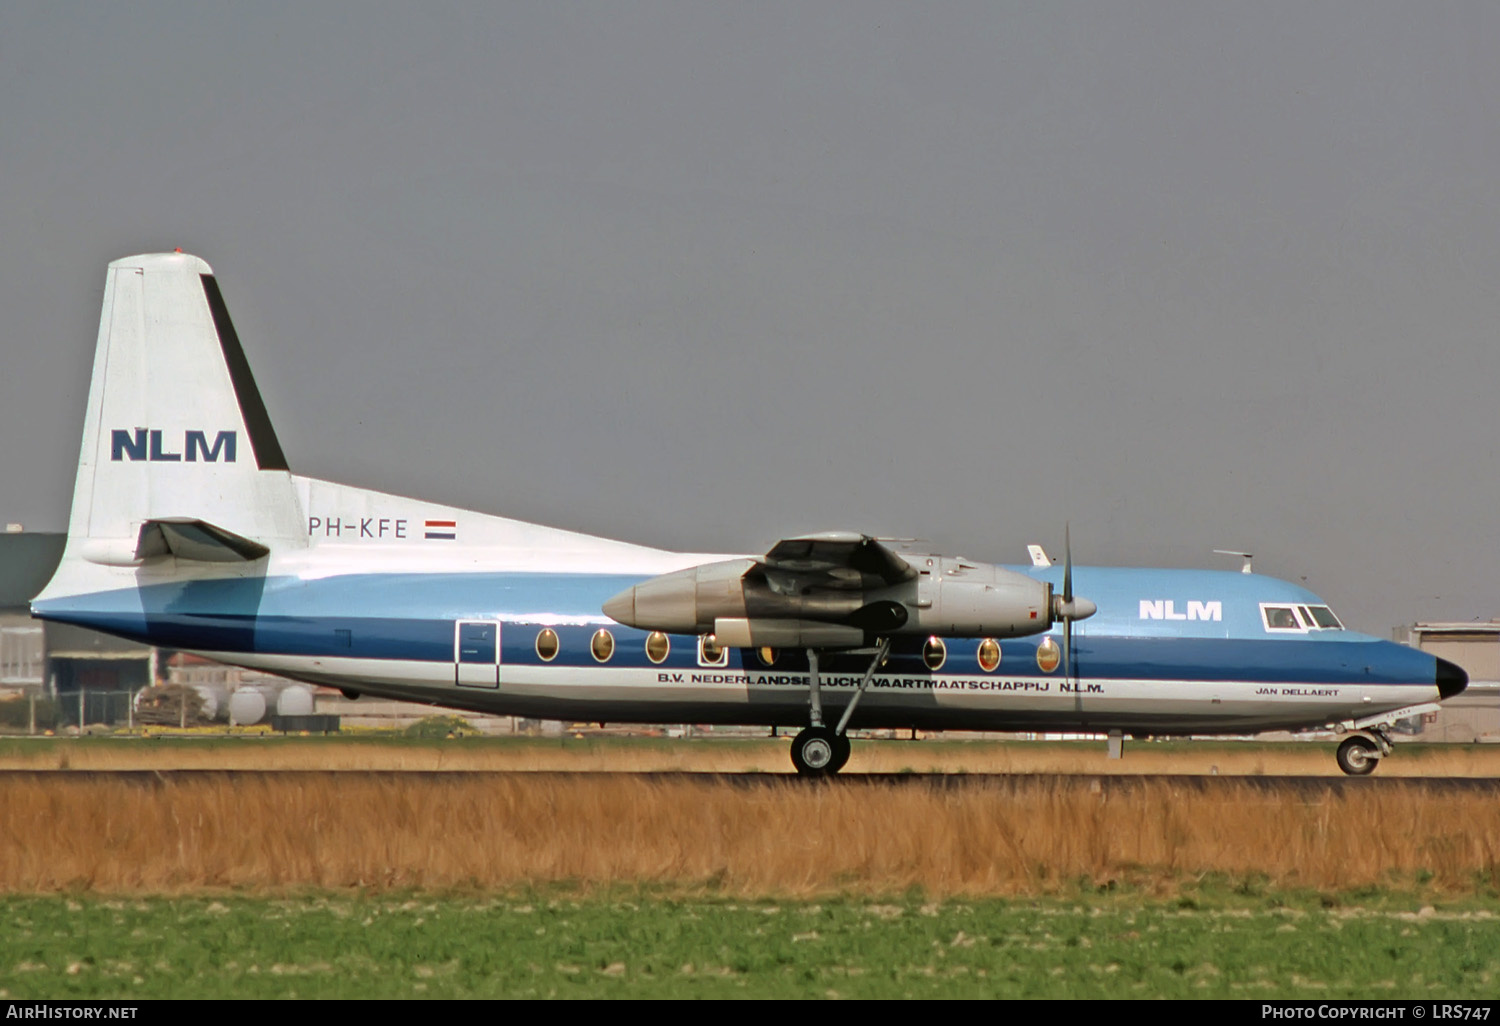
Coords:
pixel 1360 753
pixel 1358 756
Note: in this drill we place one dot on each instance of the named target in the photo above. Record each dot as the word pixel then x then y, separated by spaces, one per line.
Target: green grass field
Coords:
pixel 1210 944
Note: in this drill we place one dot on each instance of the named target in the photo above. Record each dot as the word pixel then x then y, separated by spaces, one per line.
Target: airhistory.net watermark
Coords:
pixel 69 1010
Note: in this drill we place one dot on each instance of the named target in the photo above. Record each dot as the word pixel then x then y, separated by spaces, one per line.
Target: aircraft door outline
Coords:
pixel 476 653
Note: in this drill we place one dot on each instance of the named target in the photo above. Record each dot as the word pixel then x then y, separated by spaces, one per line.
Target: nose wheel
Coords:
pixel 1358 756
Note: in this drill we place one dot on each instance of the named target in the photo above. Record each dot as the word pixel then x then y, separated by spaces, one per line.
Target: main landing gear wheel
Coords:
pixel 844 747
pixel 819 752
pixel 1358 756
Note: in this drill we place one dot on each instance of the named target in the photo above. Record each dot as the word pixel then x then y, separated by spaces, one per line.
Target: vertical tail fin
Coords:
pixel 178 452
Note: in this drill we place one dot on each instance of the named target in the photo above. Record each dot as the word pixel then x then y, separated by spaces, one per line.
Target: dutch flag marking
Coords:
pixel 444 529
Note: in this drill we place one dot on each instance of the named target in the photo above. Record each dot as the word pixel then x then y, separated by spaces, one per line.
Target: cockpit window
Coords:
pixel 1323 617
pixel 1280 618
pixel 1300 619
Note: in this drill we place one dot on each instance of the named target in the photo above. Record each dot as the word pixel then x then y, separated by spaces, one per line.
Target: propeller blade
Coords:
pixel 1067 607
pixel 1068 648
pixel 1067 563
pixel 1068 599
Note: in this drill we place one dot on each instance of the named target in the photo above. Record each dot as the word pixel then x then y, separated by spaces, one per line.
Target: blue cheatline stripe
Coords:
pixel 456 596
pixel 433 534
pixel 1118 592
pixel 1365 662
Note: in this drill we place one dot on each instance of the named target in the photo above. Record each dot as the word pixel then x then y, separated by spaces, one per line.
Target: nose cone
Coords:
pixel 1076 608
pixel 621 608
pixel 1450 678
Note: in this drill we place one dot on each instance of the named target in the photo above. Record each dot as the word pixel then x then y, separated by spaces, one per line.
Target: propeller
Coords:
pixel 1066 607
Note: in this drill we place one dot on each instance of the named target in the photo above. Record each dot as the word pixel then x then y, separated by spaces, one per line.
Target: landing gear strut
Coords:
pixel 821 751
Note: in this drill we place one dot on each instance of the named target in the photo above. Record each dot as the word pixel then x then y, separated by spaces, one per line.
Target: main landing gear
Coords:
pixel 821 751
pixel 818 751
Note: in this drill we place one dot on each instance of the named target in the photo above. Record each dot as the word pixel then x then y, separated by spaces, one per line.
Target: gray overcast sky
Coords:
pixel 699 275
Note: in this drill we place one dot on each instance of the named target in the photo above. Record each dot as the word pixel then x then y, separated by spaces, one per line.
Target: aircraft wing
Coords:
pixel 837 560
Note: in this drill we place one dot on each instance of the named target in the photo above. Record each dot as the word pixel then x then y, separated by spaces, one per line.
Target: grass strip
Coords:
pixel 1205 945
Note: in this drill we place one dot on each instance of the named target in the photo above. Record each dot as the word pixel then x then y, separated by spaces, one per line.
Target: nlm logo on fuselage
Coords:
pixel 1164 609
pixel 144 444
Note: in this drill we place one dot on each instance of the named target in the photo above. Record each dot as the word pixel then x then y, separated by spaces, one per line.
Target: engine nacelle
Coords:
pixel 950 598
pixel 684 601
pixel 968 600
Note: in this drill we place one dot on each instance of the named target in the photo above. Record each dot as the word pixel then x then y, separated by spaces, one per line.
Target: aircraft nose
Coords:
pixel 1450 678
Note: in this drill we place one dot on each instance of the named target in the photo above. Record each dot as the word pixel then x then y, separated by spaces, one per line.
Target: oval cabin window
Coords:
pixel 603 645
pixel 767 655
pixel 657 646
pixel 710 652
pixel 989 655
pixel 934 653
pixel 1048 655
pixel 546 645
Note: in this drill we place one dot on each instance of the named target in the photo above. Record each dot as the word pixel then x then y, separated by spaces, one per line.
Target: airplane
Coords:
pixel 189 531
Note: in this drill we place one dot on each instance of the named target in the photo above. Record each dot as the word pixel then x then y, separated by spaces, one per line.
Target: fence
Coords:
pixel 36 713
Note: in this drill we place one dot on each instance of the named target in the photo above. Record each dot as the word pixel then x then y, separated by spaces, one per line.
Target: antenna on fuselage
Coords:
pixel 1246 556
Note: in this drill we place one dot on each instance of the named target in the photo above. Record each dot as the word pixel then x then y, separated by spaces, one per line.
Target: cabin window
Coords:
pixel 934 653
pixel 989 655
pixel 546 645
pixel 657 646
pixel 710 652
pixel 603 645
pixel 767 655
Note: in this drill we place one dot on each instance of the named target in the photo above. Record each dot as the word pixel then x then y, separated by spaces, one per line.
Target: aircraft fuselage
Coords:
pixel 470 640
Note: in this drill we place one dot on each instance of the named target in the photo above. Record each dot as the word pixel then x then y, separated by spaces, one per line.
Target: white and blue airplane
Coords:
pixel 189 531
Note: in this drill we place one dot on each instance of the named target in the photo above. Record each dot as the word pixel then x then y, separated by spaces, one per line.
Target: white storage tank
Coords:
pixel 294 700
pixel 247 706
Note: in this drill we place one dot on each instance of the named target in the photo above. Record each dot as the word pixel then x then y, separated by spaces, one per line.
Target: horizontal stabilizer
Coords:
pixel 197 540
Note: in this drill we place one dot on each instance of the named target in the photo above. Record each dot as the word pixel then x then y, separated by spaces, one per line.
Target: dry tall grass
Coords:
pixel 1018 836
pixel 719 755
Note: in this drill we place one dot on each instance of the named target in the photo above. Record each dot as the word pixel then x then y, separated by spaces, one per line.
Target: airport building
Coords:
pixel 1475 714
pixel 84 673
